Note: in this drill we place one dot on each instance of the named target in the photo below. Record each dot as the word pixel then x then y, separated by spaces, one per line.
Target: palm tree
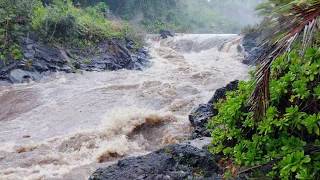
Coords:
pixel 297 20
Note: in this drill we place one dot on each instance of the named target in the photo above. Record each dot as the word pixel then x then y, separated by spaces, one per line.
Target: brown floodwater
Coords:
pixel 67 125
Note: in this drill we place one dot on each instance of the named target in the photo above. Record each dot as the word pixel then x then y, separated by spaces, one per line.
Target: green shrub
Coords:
pixel 14 21
pixel 63 22
pixel 288 137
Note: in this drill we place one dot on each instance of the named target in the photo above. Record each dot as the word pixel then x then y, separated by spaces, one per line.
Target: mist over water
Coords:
pixel 188 16
pixel 240 11
pixel 70 124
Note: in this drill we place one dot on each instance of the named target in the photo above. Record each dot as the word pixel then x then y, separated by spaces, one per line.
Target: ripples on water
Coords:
pixel 67 125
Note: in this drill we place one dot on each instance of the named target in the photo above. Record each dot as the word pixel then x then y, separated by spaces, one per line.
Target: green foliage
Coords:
pixel 66 23
pixel 14 20
pixel 288 135
pixel 57 21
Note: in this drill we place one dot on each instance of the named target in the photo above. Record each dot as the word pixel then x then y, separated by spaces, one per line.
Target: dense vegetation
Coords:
pixel 282 141
pixel 55 21
pixel 288 133
pixel 15 19
pixel 65 22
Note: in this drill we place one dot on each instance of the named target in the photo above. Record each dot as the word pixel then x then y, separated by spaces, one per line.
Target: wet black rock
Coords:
pixel 40 58
pixel 200 116
pixel 179 161
pixel 37 58
pixel 166 33
pixel 130 44
pixel 20 76
pixel 253 48
pixel 112 55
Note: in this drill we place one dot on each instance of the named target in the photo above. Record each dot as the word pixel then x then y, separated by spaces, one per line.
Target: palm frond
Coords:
pixel 302 20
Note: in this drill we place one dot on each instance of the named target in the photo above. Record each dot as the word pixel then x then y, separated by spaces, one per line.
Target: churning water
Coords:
pixel 67 125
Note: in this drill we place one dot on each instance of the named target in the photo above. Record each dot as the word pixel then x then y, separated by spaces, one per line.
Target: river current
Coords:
pixel 68 125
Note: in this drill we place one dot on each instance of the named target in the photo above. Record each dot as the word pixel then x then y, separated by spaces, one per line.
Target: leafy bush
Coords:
pixel 57 22
pixel 14 21
pixel 288 136
pixel 62 21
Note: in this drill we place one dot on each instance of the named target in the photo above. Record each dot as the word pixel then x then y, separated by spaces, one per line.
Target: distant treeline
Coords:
pixel 197 16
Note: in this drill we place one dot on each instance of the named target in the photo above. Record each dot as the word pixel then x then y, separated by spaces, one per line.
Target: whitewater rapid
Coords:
pixel 67 125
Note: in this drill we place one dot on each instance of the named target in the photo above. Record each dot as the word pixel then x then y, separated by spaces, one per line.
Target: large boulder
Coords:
pixel 115 55
pixel 179 161
pixel 20 76
pixel 166 33
pixel 200 116
pixel 37 58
